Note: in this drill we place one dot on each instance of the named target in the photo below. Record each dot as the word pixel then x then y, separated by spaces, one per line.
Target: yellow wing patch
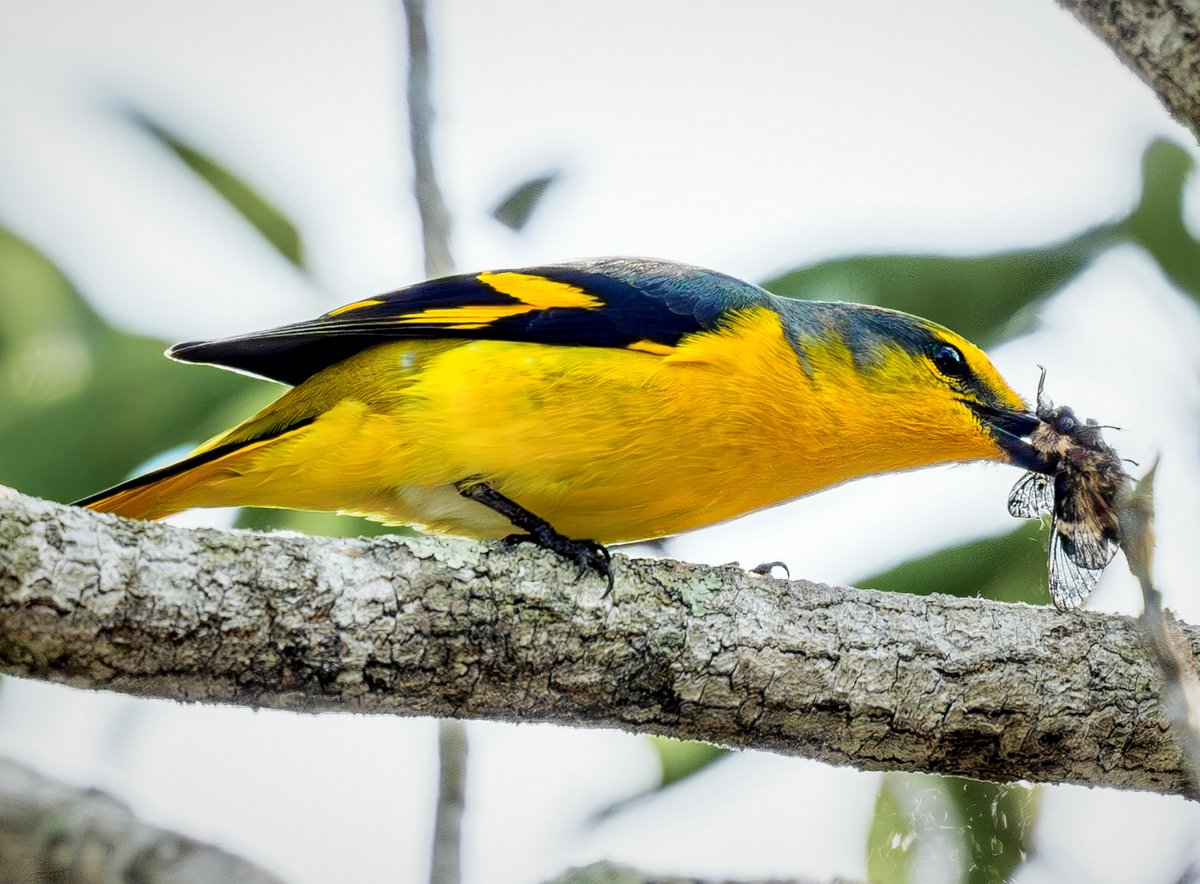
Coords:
pixel 532 293
pixel 538 292
pixel 471 316
pixel 357 305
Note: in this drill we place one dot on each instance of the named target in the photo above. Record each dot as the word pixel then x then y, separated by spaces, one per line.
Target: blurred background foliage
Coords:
pixel 274 227
pixel 85 404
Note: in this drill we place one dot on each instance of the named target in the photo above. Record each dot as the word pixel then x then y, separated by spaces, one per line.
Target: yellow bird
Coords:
pixel 586 403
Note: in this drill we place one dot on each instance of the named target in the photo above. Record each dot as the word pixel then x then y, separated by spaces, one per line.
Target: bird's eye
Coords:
pixel 949 360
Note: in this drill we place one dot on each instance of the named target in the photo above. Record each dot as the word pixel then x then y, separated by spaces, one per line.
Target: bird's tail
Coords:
pixel 182 485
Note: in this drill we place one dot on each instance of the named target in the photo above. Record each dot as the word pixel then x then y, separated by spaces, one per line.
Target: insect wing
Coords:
pixel 1032 497
pixel 1086 548
pixel 1076 565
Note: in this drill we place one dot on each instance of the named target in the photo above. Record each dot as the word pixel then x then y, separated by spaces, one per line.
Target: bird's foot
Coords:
pixel 587 555
pixel 766 569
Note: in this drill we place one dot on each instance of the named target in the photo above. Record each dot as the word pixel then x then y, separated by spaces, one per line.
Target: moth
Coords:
pixel 1079 492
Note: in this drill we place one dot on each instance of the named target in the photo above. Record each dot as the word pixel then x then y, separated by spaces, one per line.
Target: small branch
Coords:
pixel 51 833
pixel 457 629
pixel 445 863
pixel 1159 40
pixel 435 217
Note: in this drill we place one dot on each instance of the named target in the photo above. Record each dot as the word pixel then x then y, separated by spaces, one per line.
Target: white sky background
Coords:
pixel 749 138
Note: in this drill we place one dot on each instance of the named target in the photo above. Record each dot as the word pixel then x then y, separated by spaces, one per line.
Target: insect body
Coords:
pixel 1079 489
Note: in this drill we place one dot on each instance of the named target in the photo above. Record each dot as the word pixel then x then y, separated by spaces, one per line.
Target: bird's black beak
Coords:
pixel 1009 429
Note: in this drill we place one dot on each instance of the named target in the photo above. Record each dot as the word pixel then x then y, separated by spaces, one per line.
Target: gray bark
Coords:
pixel 451 628
pixel 56 834
pixel 1159 40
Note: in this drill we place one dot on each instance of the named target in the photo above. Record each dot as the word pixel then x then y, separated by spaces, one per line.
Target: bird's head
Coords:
pixel 929 394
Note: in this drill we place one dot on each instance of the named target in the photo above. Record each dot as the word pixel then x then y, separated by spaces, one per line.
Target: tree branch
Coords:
pixel 451 628
pixel 53 833
pixel 1159 40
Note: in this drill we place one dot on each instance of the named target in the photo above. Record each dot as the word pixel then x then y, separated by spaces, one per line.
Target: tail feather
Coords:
pixel 179 486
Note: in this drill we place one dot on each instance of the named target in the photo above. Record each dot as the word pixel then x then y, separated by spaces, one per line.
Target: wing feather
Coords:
pixel 612 302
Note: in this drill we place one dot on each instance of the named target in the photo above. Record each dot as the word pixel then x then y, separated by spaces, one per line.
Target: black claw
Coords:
pixel 593 556
pixel 587 555
pixel 766 568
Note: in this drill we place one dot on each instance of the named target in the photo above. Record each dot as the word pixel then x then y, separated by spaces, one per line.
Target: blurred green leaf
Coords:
pixel 515 209
pixel 984 298
pixel 35 299
pixel 1009 568
pixel 996 824
pixel 990 297
pixel 83 403
pixel 678 760
pixel 983 828
pixel 608 873
pixel 314 523
pixel 1157 223
pixel 892 838
pixel 682 758
pixel 256 209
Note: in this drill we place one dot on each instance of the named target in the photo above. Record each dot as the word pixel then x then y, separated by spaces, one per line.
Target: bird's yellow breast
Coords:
pixel 608 444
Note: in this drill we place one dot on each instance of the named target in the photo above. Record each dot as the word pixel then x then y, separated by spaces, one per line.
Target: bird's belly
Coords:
pixel 603 444
pixel 441 508
pixel 611 511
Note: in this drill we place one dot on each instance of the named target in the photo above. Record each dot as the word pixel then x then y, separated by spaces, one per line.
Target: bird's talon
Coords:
pixel 586 555
pixel 766 568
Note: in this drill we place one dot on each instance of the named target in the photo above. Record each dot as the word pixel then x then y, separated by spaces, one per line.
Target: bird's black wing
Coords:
pixel 610 302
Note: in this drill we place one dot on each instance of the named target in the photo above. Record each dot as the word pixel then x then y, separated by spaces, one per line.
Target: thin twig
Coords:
pixel 435 217
pixel 446 856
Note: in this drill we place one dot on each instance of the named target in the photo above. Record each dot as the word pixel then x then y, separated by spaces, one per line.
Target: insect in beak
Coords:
pixel 1009 428
pixel 1081 494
